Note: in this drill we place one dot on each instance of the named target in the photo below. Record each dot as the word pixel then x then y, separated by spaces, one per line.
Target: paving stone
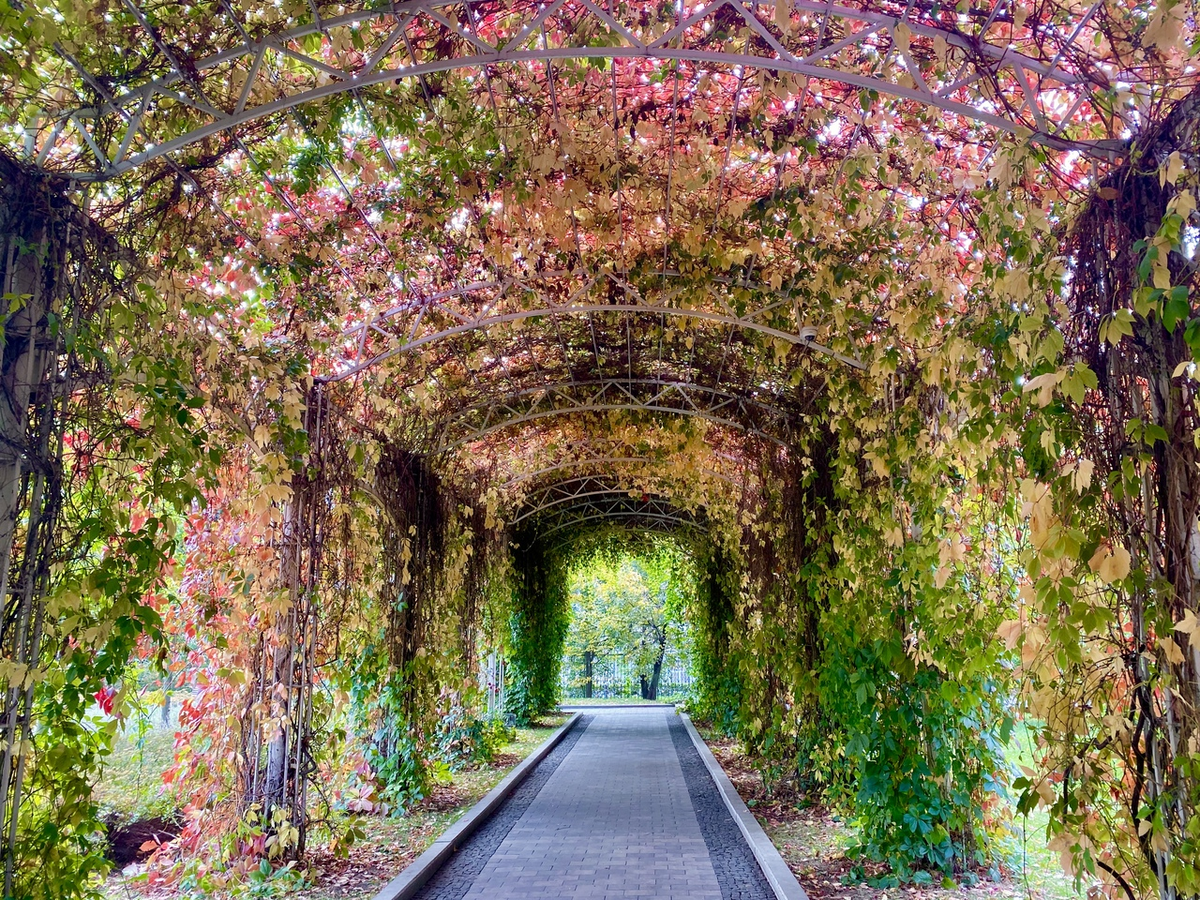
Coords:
pixel 618 811
pixel 454 878
pixel 733 861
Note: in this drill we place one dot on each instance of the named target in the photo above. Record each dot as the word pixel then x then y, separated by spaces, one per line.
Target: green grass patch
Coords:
pixel 131 786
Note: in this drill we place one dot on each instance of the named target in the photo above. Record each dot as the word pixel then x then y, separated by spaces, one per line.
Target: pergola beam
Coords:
pixel 603 461
pixel 579 488
pixel 981 60
pixel 658 388
pixel 803 338
pixel 481 433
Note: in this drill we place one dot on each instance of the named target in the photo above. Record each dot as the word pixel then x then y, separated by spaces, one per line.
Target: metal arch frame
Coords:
pixel 585 495
pixel 579 462
pixel 447 441
pixel 613 407
pixel 615 505
pixel 980 60
pixel 408 336
pixel 484 322
pixel 562 492
pixel 664 524
pixel 624 387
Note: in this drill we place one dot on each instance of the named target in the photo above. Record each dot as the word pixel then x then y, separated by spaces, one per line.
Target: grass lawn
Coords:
pixel 131 786
pixel 813 842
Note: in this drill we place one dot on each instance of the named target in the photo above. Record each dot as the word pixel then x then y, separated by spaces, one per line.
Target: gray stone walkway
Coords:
pixel 614 821
pixel 622 808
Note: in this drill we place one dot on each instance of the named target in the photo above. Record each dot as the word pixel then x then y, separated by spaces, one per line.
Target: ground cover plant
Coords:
pixel 818 844
pixel 382 847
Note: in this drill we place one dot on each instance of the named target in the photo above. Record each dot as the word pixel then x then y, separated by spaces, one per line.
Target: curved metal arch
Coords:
pixel 544 503
pixel 663 525
pixel 620 387
pixel 613 504
pixel 586 495
pixel 981 60
pixel 804 337
pixel 666 523
pixel 603 460
pixel 608 407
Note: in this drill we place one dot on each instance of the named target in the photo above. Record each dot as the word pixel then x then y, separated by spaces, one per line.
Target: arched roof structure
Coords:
pixel 510 216
pixel 221 72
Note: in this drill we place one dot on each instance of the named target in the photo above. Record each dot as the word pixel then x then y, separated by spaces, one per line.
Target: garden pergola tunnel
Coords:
pixel 399 300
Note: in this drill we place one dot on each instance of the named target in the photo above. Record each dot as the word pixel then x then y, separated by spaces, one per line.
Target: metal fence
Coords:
pixel 617 679
pixel 491 679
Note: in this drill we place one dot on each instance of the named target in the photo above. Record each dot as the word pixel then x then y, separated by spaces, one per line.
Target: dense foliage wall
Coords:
pixel 91 517
pixel 845 637
pixel 539 620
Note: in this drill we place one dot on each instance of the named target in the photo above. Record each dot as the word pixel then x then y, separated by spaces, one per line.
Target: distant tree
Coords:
pixel 628 607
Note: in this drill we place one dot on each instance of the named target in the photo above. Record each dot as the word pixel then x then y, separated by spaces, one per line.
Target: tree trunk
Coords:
pixel 655 678
pixel 588 658
pixel 645 685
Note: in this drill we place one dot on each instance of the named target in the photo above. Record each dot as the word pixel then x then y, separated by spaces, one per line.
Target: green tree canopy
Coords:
pixel 628 605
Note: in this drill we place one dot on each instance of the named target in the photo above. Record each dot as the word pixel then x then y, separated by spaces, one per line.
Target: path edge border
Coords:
pixel 779 876
pixel 416 874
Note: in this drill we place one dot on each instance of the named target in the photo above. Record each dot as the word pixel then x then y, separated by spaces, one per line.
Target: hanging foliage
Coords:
pixel 538 627
pixel 893 323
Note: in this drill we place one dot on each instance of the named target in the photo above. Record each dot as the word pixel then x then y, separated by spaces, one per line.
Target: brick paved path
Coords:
pixel 614 820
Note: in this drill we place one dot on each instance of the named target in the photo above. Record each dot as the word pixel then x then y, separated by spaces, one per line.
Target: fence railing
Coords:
pixel 617 679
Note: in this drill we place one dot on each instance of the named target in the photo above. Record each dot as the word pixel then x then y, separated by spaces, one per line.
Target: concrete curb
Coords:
pixel 406 885
pixel 776 871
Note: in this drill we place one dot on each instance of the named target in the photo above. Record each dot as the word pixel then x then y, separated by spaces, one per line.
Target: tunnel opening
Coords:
pixel 629 637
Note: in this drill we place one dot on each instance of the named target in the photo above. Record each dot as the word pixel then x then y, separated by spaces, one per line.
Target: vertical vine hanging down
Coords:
pixel 416 515
pixel 77 573
pixel 277 750
pixel 538 629
pixel 1111 645
pixel 33 242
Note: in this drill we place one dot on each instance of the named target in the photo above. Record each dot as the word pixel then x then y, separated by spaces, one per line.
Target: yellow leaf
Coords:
pixel 1189 624
pixel 1164 31
pixel 783 14
pixel 1010 633
pixel 1171 651
pixel 1110 565
pixel 939 48
pixel 1173 169
pixel 1035 638
pixel 903 35
pixel 1184 204
pixel 1083 475
pixel 1044 385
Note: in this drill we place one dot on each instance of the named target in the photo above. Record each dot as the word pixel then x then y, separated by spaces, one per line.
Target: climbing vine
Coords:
pixel 317 409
